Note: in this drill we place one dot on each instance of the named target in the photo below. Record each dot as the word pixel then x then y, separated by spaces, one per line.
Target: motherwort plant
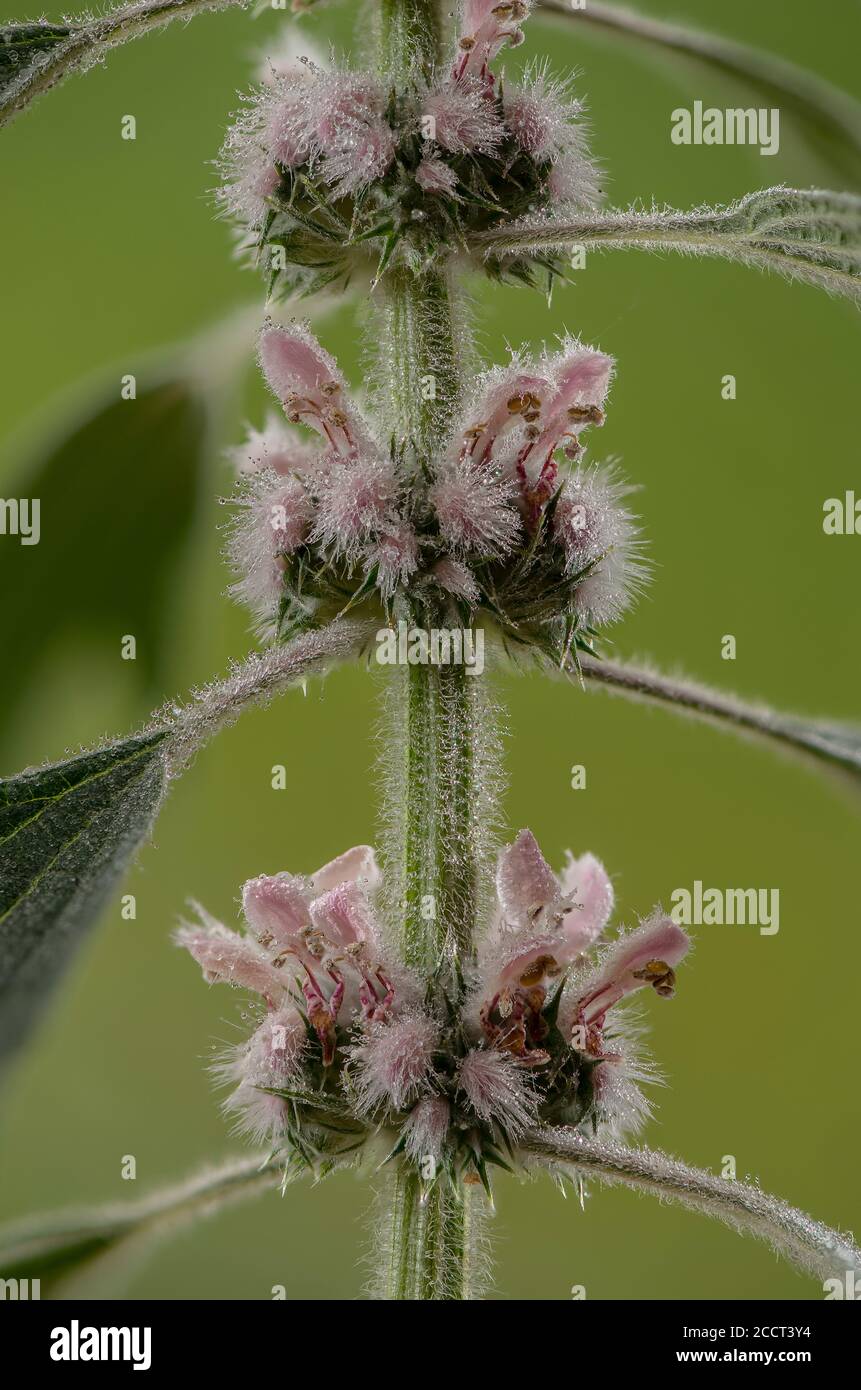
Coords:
pixel 456 1008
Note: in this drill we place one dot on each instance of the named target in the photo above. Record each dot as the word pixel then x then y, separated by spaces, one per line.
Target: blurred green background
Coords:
pixel 110 250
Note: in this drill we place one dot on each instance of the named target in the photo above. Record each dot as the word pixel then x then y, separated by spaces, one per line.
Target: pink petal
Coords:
pixel 496 1088
pixel 456 579
pixel 582 382
pixel 306 380
pixel 524 880
pixel 635 960
pixel 426 1128
pixel 488 24
pixel 228 958
pixel 294 363
pixel 464 119
pixel 586 881
pixel 344 915
pixel 433 176
pixel 543 961
pixel 501 409
pixel 394 556
pixel 395 1060
pixel 474 507
pixel 275 908
pixel 357 865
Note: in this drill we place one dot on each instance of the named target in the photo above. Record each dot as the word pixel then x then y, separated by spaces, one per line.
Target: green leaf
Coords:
pixel 56 51
pixel 797 1237
pixel 23 45
pixel 66 833
pixel 833 747
pixel 101 1247
pixel 68 830
pixel 811 235
pixel 117 499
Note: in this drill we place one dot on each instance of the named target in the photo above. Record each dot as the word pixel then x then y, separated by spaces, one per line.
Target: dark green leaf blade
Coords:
pixel 23 45
pixel 67 832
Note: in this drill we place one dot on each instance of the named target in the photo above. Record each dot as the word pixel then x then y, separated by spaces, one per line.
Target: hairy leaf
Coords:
pixel 97 1247
pixel 86 41
pixel 66 833
pixel 806 1243
pixel 809 235
pixel 828 116
pixel 834 746
pixel 22 46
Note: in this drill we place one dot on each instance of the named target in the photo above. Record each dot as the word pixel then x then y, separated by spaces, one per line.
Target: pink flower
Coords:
pixel 270 1059
pixel 434 176
pixel 275 517
pixel 348 132
pixel 357 865
pixel 249 183
pixel 311 389
pixel 426 1128
pixel 350 1042
pixel 323 930
pixel 646 956
pixel 270 132
pixel 227 958
pixel 497 1089
pixel 394 1062
pixel 356 502
pixel 474 509
pixel 283 115
pixel 274 447
pixel 464 120
pixel 600 538
pixel 520 418
pixel 456 579
pixel 539 116
pixel 546 924
pixel 485 26
pixel 395 556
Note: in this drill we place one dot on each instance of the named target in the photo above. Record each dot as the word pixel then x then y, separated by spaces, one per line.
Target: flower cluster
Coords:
pixel 326 166
pixel 349 1044
pixel 507 518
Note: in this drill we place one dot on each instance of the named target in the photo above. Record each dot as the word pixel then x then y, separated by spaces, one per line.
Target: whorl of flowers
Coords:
pixel 350 1046
pixel 325 167
pixel 507 518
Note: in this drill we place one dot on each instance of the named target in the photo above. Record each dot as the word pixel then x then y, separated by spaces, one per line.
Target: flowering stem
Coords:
pixel 417 321
pixel 441 803
pixel 427 1256
pixel 433 861
pixel 409 29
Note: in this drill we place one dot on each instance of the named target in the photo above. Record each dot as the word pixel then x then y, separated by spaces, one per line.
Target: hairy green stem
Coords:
pixel 434 860
pixel 428 1240
pixel 439 799
pixel 422 344
pixel 410 33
